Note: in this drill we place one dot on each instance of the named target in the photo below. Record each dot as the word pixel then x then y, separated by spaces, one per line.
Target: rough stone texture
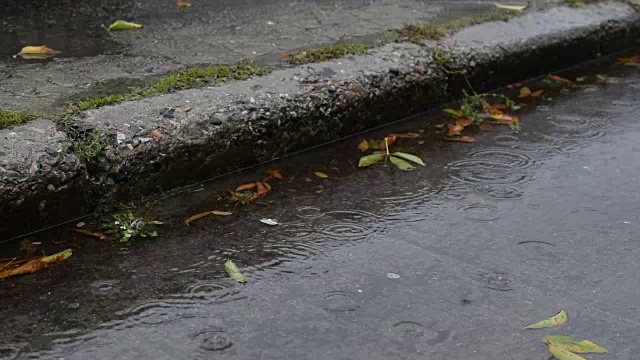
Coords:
pixel 211 131
pixel 41 180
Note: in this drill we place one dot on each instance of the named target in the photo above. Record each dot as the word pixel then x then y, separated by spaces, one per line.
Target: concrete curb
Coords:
pixel 164 142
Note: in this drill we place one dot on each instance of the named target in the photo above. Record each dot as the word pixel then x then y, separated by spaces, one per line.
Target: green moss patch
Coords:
pixel 326 53
pixel 419 33
pixel 190 77
pixel 13 118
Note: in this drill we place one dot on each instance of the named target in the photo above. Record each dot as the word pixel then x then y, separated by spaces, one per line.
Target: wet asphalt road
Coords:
pixel 96 63
pixel 449 261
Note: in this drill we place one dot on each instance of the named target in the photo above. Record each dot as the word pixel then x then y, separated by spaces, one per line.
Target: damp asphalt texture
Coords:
pixel 95 63
pixel 449 261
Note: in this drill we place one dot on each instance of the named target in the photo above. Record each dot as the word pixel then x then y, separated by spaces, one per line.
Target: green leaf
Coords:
pixel 511 7
pixel 601 77
pixel 124 25
pixel 57 257
pixel 374 145
pixel 401 164
pixel 321 175
pixel 567 343
pixel 409 157
pixel 234 272
pixel 557 319
pixel 562 354
pixel 371 159
pixel 454 113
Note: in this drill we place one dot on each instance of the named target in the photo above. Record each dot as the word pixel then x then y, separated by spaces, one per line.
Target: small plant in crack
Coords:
pixel 126 226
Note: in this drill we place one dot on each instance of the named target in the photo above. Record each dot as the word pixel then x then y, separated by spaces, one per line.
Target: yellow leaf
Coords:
pixel 206 213
pixel 557 319
pixel 562 354
pixel 124 25
pixel 524 92
pixel 363 146
pixel 511 7
pixel 182 3
pixel 37 52
pixel 234 272
pixel 321 175
pixel 567 343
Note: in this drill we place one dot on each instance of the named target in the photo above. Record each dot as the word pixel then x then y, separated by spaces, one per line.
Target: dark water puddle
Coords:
pixel 178 277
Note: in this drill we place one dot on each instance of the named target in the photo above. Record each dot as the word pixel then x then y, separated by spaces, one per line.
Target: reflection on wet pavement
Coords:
pixel 485 238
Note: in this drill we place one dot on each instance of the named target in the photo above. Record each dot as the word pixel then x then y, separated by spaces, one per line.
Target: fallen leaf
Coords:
pixel 374 145
pixel 245 187
pixel 80 224
pixel 461 139
pixel 454 129
pixel 321 175
pixel 486 127
pixel 37 52
pixel 629 60
pixel 601 77
pixel 157 135
pixel 88 232
pixel 269 222
pixel 406 135
pixel 567 343
pixel 183 3
pixel 371 159
pixel 401 164
pixel 464 122
pixel 557 319
pixel 123 25
pixel 524 92
pixel 266 185
pixel 537 94
pixel 261 189
pixel 409 157
pixel 387 142
pixel 562 354
pixel 36 264
pixel 511 7
pixel 206 213
pixel 363 146
pixel 560 79
pixel 244 197
pixel 453 113
pixel 497 106
pixel 234 272
pixel 274 173
pixel 505 119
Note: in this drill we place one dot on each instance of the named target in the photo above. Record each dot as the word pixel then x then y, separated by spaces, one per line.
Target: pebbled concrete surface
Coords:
pixel 211 31
pixel 41 179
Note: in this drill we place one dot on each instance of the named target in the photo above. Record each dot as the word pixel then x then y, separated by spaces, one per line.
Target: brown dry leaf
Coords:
pixel 629 60
pixel 507 119
pixel 454 129
pixel 363 146
pixel 406 135
pixel 157 135
pixel 387 141
pixel 261 189
pixel 560 79
pixel 464 122
pixel 245 187
pixel 461 139
pixel 206 213
pixel 266 184
pixel 495 107
pixel 274 173
pixel 537 94
pixel 183 3
pixel 524 92
pixel 36 264
pixel 88 232
pixel 486 127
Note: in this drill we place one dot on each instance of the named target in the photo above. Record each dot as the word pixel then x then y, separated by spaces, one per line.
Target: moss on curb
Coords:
pixel 419 33
pixel 189 77
pixel 326 53
pixel 14 118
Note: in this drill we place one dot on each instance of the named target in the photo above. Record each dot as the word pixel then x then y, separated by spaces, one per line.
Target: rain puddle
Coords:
pixel 470 240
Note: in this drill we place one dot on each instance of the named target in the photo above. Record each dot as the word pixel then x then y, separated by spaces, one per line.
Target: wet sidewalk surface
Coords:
pixel 449 261
pixel 95 63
